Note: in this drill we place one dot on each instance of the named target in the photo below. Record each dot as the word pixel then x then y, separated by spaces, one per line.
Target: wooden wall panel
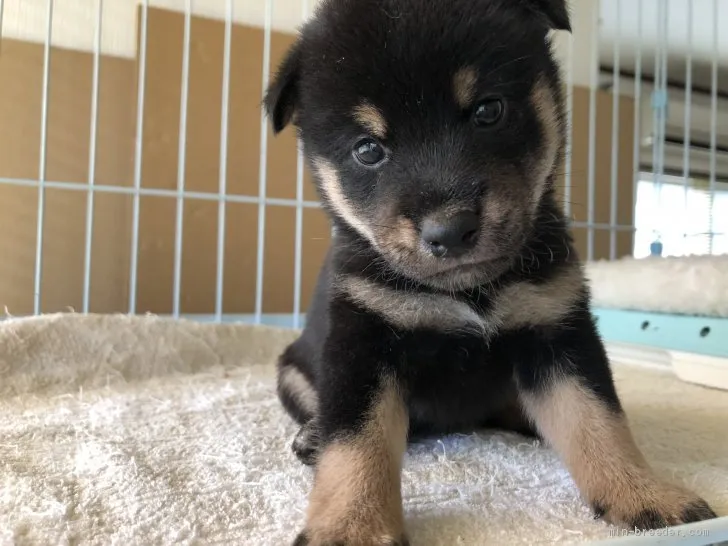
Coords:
pixel 603 170
pixel 202 171
pixel 67 160
pixel 69 122
pixel 21 74
pixel 17 247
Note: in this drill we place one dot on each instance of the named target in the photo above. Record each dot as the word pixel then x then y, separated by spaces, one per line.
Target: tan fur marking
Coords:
pixel 598 449
pixel 464 86
pixel 296 384
pixel 405 233
pixel 411 310
pixel 357 496
pixel 371 119
pixel 499 206
pixel 527 304
pixel 401 242
pixel 542 98
pixel 331 186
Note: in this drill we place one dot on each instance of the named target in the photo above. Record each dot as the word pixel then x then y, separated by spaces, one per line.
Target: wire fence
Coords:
pixel 647 143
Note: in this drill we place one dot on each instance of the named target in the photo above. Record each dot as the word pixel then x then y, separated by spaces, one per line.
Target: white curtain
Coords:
pixel 679 216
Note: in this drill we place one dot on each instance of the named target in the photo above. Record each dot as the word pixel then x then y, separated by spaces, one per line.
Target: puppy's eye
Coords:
pixel 489 112
pixel 369 152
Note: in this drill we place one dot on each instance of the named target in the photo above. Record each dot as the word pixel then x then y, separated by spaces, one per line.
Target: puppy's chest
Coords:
pixel 447 373
pixel 438 359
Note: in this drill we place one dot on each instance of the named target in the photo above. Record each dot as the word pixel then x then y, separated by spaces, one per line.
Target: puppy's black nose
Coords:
pixel 453 236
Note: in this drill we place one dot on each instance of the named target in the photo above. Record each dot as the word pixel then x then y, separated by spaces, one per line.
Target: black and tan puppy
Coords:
pixel 452 296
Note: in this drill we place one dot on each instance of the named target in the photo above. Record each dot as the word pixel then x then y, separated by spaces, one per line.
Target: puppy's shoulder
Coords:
pixel 547 300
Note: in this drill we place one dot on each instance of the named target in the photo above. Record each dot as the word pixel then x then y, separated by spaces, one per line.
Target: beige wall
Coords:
pixel 21 71
pixel 74 21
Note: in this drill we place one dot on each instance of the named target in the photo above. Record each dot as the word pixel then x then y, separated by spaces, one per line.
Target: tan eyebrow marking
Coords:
pixel 372 119
pixel 464 86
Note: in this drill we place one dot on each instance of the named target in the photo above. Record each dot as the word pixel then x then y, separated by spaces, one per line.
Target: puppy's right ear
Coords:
pixel 555 12
pixel 281 97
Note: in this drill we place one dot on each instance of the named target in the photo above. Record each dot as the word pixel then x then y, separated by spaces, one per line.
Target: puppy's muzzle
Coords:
pixel 450 236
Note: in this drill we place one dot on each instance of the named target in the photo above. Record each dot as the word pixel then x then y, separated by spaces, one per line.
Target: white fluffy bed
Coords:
pixel 691 285
pixel 120 430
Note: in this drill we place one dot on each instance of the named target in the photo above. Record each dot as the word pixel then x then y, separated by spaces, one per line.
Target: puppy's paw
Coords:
pixel 653 506
pixel 306 444
pixel 303 540
pixel 364 526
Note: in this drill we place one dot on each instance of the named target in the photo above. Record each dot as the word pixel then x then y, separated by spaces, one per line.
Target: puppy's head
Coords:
pixel 433 128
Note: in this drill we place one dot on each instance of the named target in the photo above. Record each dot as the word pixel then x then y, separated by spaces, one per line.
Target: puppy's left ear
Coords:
pixel 281 97
pixel 556 12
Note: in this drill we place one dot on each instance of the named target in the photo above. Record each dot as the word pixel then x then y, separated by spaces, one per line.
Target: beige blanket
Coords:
pixel 119 430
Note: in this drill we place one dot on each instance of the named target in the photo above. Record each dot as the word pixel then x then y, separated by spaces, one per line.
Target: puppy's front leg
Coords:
pixel 570 396
pixel 356 498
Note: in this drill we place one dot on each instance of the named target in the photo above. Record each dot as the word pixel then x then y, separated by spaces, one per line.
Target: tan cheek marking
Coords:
pixel 404 234
pixel 371 119
pixel 464 84
pixel 527 304
pixel 597 447
pixel 543 101
pixel 357 490
pixel 297 386
pixel 502 202
pixel 331 186
pixel 399 239
pixel 401 242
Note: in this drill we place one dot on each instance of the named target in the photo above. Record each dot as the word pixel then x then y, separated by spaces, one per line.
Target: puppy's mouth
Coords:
pixel 467 266
pixel 447 258
pixel 470 271
pixel 451 274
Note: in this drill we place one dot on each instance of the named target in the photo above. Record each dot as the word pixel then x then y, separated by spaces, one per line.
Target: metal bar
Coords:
pixel 615 136
pixel 181 162
pixel 224 124
pixel 298 251
pixel 602 226
pixel 663 69
pixel 43 160
pixel 136 190
pixel 592 134
pixel 713 125
pixel 659 107
pixel 655 104
pixel 2 12
pixel 92 160
pixel 688 113
pixel 262 183
pixel 637 136
pixel 569 125
pixel 154 192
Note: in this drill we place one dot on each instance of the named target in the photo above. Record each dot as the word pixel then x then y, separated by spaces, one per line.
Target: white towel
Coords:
pixel 141 431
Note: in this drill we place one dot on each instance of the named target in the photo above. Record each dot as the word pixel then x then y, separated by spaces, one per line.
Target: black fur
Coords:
pixel 554 11
pixel 698 511
pixel 599 510
pixel 400 56
pixel 649 519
